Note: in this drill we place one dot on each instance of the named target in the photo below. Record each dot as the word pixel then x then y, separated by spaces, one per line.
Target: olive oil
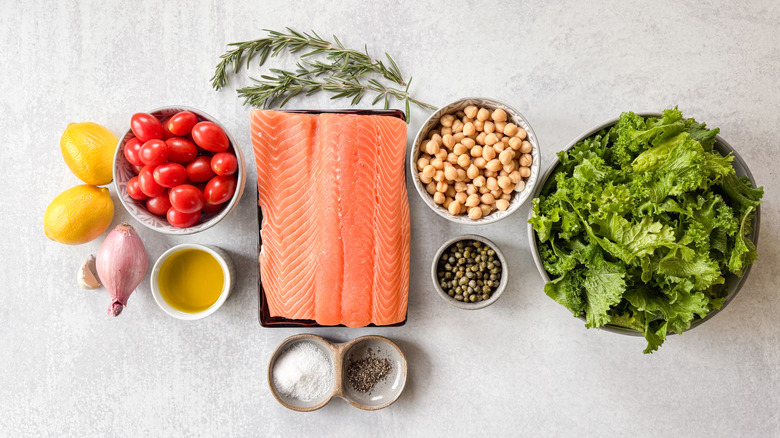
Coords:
pixel 191 280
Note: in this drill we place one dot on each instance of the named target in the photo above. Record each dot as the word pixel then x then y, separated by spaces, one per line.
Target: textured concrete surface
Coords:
pixel 521 367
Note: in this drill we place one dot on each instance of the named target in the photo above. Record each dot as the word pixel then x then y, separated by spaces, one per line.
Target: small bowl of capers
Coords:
pixel 469 272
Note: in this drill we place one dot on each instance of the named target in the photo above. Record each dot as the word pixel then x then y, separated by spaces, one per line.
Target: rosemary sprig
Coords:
pixel 341 75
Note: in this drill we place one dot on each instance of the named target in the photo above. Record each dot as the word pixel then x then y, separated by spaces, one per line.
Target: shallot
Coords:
pixel 121 265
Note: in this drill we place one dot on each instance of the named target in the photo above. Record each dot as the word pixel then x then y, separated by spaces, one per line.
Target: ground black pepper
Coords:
pixel 365 373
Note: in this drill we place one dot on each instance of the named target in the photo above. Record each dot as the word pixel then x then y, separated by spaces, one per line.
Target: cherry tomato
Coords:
pixel 159 204
pixel 199 169
pixel 186 198
pixel 154 152
pixel 182 220
pixel 166 133
pixel 210 137
pixel 220 189
pixel 170 174
pixel 182 123
pixel 146 127
pixel 181 150
pixel 147 183
pixel 131 151
pixel 212 208
pixel 224 163
pixel 136 169
pixel 134 190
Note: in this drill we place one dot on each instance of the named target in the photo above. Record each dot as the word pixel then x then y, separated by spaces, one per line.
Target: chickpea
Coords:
pixel 492 183
pixel 515 143
pixel 489 173
pixel 442 154
pixel 461 197
pixel 483 190
pixel 478 181
pixel 472 172
pixel 519 187
pixel 466 119
pixel 521 134
pixel 489 128
pixel 439 198
pixel 431 147
pixel 459 149
pixel 499 147
pixel 487 198
pixel 436 138
pixel 469 143
pixel 504 181
pixel 502 204
pixel 422 162
pixel 450 192
pixel 475 213
pixel 491 139
pixel 458 137
pixel 526 147
pixel 454 208
pixel 464 161
pixel 508 189
pixel 496 193
pixel 446 203
pixel 469 129
pixel 437 164
pixel 452 158
pixel 506 196
pixel 471 111
pixel 473 200
pixel 510 129
pixel 461 175
pixel 460 186
pixel 500 127
pixel 428 171
pixel 498 115
pixel 460 113
pixel 430 188
pixel 480 162
pixel 481 138
pixel 525 172
pixel 515 177
pixel 457 126
pixel 445 131
pixel 442 186
pixel 509 168
pixel 448 141
pixel 499 135
pixel 424 178
pixel 449 172
pixel 486 209
pixel 438 176
pixel 493 165
pixel 476 151
pixel 446 120
pixel 525 160
pixel 483 114
pixel 471 189
pixel 488 153
pixel 505 139
pixel 479 125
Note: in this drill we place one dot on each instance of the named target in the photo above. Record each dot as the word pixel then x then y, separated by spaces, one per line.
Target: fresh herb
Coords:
pixel 341 75
pixel 365 373
pixel 639 225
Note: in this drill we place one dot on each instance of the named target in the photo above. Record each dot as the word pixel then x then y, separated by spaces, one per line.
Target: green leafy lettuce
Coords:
pixel 640 224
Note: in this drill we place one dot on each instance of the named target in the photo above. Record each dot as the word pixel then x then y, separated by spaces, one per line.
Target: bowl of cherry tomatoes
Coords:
pixel 178 171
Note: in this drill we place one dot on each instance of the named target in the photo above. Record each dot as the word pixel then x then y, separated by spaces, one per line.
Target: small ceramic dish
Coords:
pixel 469 305
pixel 382 395
pixel 514 116
pixel 227 270
pixel 123 172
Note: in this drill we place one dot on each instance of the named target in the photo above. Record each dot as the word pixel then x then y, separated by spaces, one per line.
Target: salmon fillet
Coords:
pixel 335 228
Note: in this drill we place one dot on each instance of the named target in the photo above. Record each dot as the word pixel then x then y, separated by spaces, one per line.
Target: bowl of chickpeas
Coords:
pixel 475 161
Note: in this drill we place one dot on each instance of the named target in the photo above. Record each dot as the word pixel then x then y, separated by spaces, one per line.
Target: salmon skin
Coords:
pixel 335 227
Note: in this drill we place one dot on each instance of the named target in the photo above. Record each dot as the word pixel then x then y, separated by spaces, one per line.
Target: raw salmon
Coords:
pixel 335 225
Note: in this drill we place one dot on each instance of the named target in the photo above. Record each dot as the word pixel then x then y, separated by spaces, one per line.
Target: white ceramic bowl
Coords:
pixel 123 172
pixel 518 198
pixel 227 269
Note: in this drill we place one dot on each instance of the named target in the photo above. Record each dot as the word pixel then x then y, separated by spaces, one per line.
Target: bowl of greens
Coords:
pixel 646 225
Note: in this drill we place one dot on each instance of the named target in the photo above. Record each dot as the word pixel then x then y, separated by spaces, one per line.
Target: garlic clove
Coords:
pixel 88 277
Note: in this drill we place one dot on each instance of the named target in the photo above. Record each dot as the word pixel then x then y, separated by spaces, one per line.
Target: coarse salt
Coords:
pixel 303 372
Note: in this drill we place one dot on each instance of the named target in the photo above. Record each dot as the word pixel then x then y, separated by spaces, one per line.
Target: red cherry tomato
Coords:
pixel 136 169
pixel 210 137
pixel 181 150
pixel 132 150
pixel 199 169
pixel 220 189
pixel 166 133
pixel 154 152
pixel 159 204
pixel 134 190
pixel 170 174
pixel 212 208
pixel 224 163
pixel 146 127
pixel 186 198
pixel 182 220
pixel 182 123
pixel 147 183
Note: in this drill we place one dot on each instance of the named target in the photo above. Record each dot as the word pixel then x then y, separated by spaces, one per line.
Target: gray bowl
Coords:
pixel 481 304
pixel 518 198
pixel 733 283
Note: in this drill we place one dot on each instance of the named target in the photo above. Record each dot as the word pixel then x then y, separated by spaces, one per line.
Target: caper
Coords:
pixel 448 275
pixel 486 289
pixel 491 252
pixel 493 276
pixel 451 293
pixel 459 297
pixel 469 274
pixel 477 243
pixel 473 298
pixel 485 297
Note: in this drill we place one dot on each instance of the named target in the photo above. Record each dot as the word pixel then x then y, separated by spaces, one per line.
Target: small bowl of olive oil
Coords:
pixel 192 281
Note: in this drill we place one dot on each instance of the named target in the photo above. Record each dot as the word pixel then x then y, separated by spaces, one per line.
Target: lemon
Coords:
pixel 88 150
pixel 78 215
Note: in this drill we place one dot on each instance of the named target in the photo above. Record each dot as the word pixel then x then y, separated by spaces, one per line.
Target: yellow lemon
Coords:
pixel 78 215
pixel 88 150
